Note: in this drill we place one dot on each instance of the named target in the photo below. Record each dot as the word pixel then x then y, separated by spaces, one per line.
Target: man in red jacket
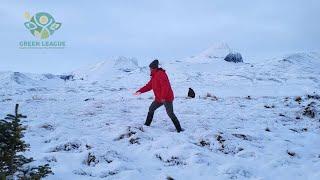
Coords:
pixel 161 87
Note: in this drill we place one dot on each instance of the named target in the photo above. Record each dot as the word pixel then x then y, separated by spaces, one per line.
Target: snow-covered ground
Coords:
pixel 246 121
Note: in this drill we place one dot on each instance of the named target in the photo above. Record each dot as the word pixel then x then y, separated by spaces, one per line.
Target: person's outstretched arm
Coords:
pixel 145 88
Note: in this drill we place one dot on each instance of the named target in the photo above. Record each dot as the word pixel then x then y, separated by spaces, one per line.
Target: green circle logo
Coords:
pixel 41 25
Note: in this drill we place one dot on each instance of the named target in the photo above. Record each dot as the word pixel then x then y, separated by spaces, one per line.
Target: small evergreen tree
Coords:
pixel 12 162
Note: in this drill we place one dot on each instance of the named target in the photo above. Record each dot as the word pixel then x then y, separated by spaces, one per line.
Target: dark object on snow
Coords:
pixel 154 64
pixel 298 99
pixel 191 93
pixel 290 153
pixel 268 107
pixel 310 111
pixel 313 96
pixel 234 57
pixel 66 77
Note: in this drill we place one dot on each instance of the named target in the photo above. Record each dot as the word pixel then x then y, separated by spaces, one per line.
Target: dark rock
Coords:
pixel 169 178
pixel 290 153
pixel 134 141
pixel 69 146
pixel 191 93
pixel 313 96
pixel 66 77
pixel 309 112
pixel 268 107
pixel 234 57
pixel 204 143
pixel 91 159
pixel 298 99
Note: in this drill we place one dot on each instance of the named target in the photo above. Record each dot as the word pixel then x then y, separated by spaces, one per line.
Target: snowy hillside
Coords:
pixel 297 72
pixel 258 120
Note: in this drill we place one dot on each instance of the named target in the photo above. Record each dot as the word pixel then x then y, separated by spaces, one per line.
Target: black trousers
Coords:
pixel 169 108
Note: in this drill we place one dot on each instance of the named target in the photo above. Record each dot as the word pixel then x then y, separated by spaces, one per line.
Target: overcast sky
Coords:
pixel 165 29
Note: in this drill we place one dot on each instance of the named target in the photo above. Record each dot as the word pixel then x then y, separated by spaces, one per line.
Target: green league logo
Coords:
pixel 41 25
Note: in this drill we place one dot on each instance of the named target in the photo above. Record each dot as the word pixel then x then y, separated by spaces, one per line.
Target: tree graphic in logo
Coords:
pixel 41 25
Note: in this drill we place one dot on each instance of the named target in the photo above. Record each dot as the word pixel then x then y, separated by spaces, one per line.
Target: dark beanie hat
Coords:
pixel 154 64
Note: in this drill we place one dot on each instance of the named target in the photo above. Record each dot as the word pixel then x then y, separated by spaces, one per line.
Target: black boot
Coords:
pixel 177 124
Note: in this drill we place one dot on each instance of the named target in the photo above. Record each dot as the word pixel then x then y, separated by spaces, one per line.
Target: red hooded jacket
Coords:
pixel 160 85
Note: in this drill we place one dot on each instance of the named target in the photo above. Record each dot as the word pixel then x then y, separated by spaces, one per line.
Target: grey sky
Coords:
pixel 167 29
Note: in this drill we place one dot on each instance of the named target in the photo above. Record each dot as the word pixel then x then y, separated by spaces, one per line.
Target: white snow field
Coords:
pixel 246 122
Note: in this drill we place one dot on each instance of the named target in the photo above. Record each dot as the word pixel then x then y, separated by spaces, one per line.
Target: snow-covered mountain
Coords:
pixel 266 77
pixel 107 69
pixel 298 71
pixel 257 120
pixel 19 79
pixel 217 51
pixel 16 78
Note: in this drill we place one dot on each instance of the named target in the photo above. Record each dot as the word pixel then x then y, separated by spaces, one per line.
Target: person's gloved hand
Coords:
pixel 137 93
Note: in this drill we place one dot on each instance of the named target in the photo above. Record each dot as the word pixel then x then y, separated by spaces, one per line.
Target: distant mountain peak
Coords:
pixel 126 64
pixel 216 51
pixel 107 68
